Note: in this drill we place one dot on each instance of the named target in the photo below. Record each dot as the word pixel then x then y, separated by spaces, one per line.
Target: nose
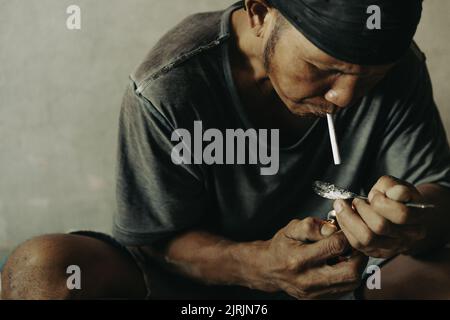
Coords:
pixel 342 92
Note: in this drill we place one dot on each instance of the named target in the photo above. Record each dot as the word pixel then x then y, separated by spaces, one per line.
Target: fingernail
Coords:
pixel 331 94
pixel 399 193
pixel 327 229
pixel 338 206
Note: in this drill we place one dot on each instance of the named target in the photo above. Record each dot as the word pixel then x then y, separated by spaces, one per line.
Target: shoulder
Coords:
pixel 405 96
pixel 399 94
pixel 180 65
pixel 406 75
pixel 194 34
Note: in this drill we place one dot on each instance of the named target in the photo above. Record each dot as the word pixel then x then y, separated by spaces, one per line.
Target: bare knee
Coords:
pixel 37 269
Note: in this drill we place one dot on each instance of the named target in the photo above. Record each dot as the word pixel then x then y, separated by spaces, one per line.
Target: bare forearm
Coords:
pixel 212 259
pixel 292 261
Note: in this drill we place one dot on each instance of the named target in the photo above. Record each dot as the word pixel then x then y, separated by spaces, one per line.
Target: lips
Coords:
pixel 319 104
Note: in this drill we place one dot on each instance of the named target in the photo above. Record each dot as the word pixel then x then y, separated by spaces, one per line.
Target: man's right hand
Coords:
pixel 295 261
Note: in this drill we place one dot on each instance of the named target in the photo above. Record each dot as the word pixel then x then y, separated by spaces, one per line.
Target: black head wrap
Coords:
pixel 339 27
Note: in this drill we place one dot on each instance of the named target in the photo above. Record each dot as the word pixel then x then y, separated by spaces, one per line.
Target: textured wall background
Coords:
pixel 60 93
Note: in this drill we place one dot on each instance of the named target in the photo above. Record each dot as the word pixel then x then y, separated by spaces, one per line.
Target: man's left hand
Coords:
pixel 384 226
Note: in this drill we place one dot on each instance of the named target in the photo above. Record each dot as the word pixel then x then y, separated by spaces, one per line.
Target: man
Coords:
pixel 226 231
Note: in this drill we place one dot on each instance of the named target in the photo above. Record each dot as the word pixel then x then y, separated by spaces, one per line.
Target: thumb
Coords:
pixel 310 229
pixel 331 247
pixel 328 229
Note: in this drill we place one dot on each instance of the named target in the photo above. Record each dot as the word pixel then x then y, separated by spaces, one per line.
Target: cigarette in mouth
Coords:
pixel 333 139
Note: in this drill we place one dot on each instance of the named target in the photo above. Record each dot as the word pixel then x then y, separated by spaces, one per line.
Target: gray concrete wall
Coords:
pixel 60 94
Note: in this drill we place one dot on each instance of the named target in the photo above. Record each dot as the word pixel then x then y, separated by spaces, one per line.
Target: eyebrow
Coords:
pixel 335 68
pixel 345 72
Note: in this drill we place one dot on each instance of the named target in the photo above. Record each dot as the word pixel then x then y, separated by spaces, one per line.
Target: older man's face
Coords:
pixel 311 82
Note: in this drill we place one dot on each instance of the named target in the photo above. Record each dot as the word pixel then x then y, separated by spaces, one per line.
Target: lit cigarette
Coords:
pixel 334 143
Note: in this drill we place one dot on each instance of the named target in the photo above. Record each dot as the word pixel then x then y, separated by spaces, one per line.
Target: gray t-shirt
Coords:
pixel 395 130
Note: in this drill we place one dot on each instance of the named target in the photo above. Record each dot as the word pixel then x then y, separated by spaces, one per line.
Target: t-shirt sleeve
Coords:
pixel 155 197
pixel 414 144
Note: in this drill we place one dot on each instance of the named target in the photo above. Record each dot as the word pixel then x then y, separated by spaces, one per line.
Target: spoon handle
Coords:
pixel 408 204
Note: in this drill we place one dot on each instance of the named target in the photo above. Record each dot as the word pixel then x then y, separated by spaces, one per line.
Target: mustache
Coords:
pixel 318 103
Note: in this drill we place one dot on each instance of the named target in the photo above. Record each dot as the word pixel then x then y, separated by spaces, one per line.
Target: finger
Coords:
pixel 401 190
pixel 309 229
pixel 404 193
pixel 354 243
pixel 394 211
pixel 351 223
pixel 383 227
pixel 400 193
pixel 377 223
pixel 342 273
pixel 327 293
pixel 350 269
pixel 383 248
pixel 383 253
pixel 351 274
pixel 377 243
pixel 384 183
pixel 355 264
pixel 323 250
pixel 335 292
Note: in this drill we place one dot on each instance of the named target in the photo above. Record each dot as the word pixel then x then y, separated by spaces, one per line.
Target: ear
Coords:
pixel 259 13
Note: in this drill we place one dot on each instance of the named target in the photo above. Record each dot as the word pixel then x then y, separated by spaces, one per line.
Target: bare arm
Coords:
pixel 284 263
pixel 210 258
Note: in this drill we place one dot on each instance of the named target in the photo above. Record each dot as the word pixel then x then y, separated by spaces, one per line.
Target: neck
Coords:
pixel 247 51
pixel 262 103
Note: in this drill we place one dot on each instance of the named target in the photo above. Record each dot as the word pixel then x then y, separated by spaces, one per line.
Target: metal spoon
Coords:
pixel 332 192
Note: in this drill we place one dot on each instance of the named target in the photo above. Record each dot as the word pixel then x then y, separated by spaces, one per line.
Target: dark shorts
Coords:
pixel 162 284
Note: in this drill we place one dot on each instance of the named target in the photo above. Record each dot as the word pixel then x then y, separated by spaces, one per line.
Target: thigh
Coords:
pixel 406 277
pixel 167 285
pixel 109 269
